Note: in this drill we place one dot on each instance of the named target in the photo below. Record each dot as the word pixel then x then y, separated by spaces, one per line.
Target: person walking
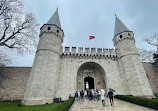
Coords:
pixel 90 95
pixel 93 96
pixel 111 95
pixel 97 95
pixel 76 96
pixel 103 97
pixel 81 95
pixel 85 93
pixel 87 86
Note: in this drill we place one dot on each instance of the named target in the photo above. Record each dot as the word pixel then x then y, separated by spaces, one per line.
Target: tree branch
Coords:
pixel 14 33
pixel 18 29
pixel 4 33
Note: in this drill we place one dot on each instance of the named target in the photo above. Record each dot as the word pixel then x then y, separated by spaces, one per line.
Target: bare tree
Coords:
pixel 153 40
pixel 146 56
pixel 18 29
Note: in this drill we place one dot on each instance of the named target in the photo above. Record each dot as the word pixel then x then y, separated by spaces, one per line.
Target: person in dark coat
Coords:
pixel 111 96
pixel 82 95
pixel 76 96
pixel 90 95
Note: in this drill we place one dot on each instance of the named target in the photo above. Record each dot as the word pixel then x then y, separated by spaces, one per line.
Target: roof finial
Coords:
pixel 115 15
pixel 57 8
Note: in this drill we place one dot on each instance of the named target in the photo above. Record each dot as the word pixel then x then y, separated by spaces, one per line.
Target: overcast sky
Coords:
pixel 82 18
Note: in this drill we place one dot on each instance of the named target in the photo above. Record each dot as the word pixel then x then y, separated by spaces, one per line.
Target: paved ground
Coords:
pixel 97 106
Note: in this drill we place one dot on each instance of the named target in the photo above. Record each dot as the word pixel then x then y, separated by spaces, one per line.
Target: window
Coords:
pixel 129 34
pixel 49 28
pixel 57 31
pixel 120 36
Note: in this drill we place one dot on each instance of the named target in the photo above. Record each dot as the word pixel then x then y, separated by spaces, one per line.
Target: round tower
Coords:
pixel 46 68
pixel 131 68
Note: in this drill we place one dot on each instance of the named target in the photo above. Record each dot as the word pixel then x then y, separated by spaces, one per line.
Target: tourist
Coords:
pixel 110 94
pixel 97 95
pixel 76 96
pixel 99 92
pixel 93 96
pixel 81 95
pixel 103 97
pixel 89 94
pixel 85 93
pixel 87 85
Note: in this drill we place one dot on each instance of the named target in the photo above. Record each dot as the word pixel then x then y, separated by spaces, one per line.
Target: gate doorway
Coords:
pixel 92 73
pixel 90 81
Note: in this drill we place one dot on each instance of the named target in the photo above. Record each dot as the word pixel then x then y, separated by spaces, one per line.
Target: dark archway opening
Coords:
pixel 90 81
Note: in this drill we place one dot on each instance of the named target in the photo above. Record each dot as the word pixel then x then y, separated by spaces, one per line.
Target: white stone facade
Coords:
pixel 46 68
pixel 58 74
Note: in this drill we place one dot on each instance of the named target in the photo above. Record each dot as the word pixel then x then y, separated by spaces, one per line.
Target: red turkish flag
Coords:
pixel 91 37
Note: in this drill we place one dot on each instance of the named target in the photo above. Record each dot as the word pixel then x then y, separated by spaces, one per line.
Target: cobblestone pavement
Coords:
pixel 97 106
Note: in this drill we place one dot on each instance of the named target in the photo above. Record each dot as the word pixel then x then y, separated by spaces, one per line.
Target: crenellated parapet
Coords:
pixel 80 51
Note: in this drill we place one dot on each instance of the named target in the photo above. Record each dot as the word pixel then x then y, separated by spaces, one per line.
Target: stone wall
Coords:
pixel 69 71
pixel 15 79
pixel 13 82
pixel 152 75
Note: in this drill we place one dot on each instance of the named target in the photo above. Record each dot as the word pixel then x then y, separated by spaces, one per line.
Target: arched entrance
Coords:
pixel 90 81
pixel 94 74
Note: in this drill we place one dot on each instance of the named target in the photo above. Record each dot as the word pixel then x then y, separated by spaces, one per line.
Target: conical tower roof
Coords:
pixel 55 19
pixel 119 26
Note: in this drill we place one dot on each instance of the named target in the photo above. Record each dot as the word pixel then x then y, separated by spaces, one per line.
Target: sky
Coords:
pixel 83 18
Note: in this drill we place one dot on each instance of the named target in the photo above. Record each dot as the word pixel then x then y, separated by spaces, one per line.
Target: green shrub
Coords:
pixel 65 106
pixel 57 100
pixel 150 103
pixel 16 106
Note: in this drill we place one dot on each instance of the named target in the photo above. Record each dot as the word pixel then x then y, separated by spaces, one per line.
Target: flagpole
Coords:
pixel 89 43
pixel 90 37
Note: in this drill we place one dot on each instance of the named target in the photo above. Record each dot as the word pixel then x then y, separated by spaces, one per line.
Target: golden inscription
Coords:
pixel 98 81
pixel 80 81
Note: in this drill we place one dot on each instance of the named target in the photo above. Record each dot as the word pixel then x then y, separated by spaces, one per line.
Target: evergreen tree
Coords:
pixel 155 57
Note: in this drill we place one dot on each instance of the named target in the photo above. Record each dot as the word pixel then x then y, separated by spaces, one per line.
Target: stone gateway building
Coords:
pixel 58 74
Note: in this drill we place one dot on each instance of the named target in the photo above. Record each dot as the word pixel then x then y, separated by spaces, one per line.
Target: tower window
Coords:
pixel 49 28
pixel 120 36
pixel 129 34
pixel 57 31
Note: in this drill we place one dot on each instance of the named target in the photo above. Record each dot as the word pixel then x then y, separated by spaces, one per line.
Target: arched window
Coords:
pixel 120 36
pixel 48 28
pixel 57 31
